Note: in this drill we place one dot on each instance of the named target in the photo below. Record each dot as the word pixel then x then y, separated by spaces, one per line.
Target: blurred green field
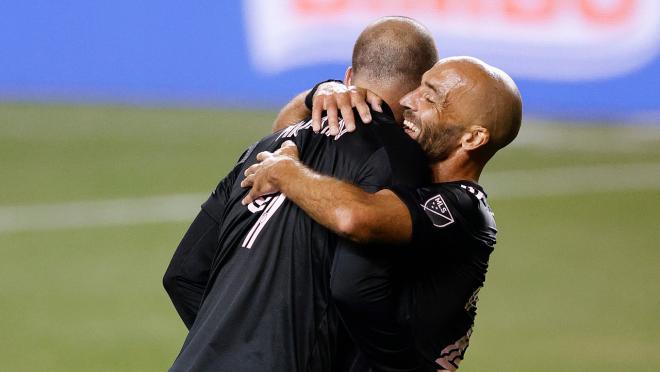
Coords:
pixel 574 282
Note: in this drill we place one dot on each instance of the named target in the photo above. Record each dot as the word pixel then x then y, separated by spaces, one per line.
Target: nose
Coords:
pixel 408 101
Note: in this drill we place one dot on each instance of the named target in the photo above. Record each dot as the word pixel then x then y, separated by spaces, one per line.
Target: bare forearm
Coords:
pixel 339 206
pixel 292 113
pixel 329 201
pixel 344 208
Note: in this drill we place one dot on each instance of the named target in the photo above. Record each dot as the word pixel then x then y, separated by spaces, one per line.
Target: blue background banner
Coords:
pixel 200 54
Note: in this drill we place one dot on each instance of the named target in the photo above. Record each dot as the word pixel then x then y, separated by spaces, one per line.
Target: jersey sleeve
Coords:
pixel 435 219
pixel 188 273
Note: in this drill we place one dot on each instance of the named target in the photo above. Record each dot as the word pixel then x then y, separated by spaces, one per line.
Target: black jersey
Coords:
pixel 266 307
pixel 453 236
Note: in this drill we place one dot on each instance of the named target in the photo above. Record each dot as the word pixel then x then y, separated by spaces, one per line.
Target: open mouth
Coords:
pixel 410 128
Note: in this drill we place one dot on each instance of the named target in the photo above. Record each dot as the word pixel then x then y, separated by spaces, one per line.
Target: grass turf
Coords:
pixel 573 285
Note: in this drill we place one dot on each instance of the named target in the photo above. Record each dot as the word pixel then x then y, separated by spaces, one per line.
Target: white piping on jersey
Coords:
pixel 263 219
pixel 480 195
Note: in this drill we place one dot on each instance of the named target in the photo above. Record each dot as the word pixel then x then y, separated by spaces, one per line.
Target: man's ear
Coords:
pixel 476 137
pixel 348 76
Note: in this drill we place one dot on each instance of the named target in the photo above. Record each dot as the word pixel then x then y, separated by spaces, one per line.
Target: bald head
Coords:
pixel 464 109
pixel 482 95
pixel 393 52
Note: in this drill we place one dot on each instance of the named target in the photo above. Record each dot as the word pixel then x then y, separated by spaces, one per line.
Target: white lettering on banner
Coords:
pixel 541 39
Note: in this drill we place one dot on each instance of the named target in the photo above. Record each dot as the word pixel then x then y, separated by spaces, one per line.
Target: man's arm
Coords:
pixel 293 112
pixel 187 275
pixel 339 206
pixel 332 98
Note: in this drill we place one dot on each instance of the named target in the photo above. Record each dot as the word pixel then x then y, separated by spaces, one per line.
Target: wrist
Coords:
pixel 309 98
pixel 283 172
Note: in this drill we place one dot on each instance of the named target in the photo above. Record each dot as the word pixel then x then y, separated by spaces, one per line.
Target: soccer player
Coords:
pixel 252 282
pixel 462 114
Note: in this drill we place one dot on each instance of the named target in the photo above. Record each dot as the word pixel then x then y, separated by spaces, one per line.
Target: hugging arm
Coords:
pixel 293 112
pixel 331 98
pixel 339 206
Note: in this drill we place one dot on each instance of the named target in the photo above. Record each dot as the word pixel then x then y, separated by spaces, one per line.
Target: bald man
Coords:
pixel 463 112
pixel 252 282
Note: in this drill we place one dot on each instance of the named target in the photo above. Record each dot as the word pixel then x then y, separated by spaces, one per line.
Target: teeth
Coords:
pixel 410 126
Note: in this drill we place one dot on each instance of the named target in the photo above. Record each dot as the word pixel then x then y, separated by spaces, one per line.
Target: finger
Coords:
pixel 374 101
pixel 264 155
pixel 288 143
pixel 289 149
pixel 333 119
pixel 317 113
pixel 252 169
pixel 249 198
pixel 248 181
pixel 363 110
pixel 258 190
pixel 358 101
pixel 345 106
pixel 253 194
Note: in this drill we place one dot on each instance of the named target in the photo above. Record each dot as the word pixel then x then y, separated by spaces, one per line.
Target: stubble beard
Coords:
pixel 439 143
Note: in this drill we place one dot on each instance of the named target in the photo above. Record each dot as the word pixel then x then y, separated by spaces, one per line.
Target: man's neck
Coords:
pixel 454 169
pixel 391 96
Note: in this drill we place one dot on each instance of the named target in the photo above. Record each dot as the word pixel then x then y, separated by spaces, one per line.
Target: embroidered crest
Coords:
pixel 438 212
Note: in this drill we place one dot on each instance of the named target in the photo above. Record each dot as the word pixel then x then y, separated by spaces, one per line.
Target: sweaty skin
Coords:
pixel 463 112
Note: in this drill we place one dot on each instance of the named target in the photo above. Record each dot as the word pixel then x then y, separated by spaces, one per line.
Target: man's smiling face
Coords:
pixel 429 115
